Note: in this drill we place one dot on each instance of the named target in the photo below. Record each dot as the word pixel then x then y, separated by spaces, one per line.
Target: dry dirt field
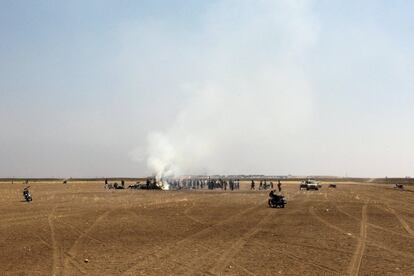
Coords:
pixel 354 229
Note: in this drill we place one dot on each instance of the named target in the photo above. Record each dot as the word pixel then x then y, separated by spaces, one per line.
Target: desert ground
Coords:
pixel 80 228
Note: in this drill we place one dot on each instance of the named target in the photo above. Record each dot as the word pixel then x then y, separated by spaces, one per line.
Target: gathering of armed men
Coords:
pixel 152 183
pixel 191 183
pixel 202 183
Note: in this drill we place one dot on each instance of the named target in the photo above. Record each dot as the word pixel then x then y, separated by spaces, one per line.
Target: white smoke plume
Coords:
pixel 250 98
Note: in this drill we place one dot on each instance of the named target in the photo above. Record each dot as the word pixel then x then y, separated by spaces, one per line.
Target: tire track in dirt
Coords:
pixel 211 252
pixel 356 260
pixel 369 242
pixel 292 255
pixel 403 223
pixel 199 266
pixel 186 214
pixel 354 266
pixel 70 259
pixel 300 260
pixel 73 250
pixel 403 254
pixel 181 246
pixel 315 247
pixel 80 232
pixel 340 209
pixel 226 257
pixel 327 223
pixel 403 205
pixel 165 252
pixel 193 268
pixel 18 219
pixel 56 258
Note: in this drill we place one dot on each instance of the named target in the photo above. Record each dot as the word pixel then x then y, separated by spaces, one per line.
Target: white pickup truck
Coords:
pixel 309 185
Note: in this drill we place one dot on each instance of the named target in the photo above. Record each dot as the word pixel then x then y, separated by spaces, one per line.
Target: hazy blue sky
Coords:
pixel 129 88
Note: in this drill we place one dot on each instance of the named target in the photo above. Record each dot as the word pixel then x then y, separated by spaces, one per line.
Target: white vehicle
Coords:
pixel 309 185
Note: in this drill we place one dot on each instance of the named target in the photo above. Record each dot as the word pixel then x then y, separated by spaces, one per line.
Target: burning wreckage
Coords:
pixel 150 184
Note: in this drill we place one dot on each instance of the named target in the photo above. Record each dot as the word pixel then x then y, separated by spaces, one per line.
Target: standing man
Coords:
pixel 279 185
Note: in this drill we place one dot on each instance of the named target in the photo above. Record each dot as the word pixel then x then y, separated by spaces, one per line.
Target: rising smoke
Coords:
pixel 251 97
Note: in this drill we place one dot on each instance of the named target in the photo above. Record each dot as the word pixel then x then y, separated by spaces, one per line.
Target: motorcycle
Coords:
pixel 277 201
pixel 27 196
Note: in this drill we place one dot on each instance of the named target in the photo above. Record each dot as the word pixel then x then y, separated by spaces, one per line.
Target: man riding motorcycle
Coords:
pixel 276 200
pixel 273 196
pixel 26 194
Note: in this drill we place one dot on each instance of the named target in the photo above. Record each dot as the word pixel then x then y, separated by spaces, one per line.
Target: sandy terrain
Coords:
pixel 351 230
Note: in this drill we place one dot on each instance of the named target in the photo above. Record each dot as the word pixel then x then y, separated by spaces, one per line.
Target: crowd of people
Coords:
pixel 265 185
pixel 202 183
pixel 196 183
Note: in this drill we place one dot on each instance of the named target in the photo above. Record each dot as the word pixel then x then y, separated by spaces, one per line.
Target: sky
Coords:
pixel 135 88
